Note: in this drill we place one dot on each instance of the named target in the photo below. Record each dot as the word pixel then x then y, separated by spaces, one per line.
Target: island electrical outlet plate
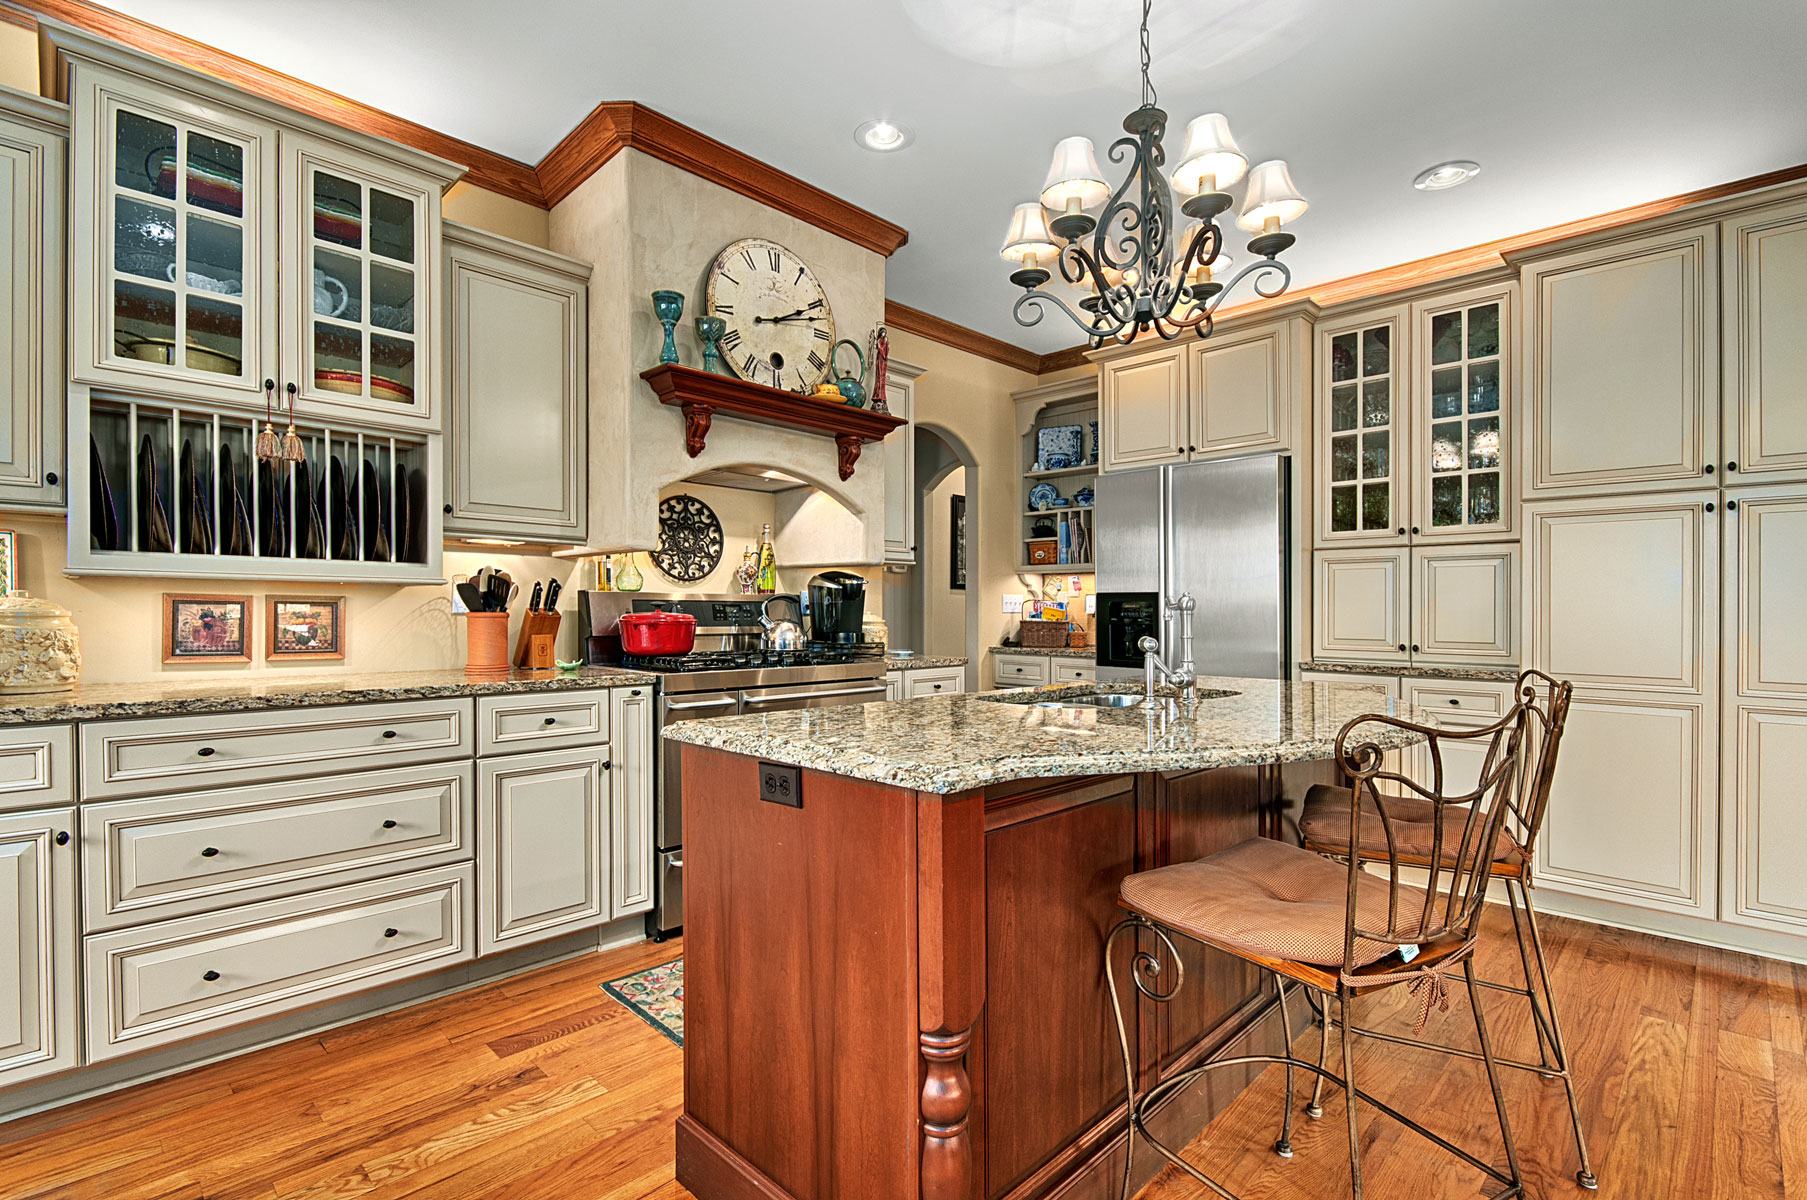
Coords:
pixel 780 783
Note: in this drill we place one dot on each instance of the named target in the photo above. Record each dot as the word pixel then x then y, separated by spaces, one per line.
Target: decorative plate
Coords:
pixel 1042 496
pixel 690 539
pixel 1067 440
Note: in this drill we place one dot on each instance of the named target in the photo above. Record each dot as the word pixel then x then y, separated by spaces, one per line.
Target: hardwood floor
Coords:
pixel 1693 1063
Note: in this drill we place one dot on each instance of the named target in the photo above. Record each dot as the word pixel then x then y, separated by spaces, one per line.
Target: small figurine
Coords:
pixel 881 362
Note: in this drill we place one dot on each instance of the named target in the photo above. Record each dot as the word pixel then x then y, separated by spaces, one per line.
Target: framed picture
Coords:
pixel 305 627
pixel 956 543
pixel 9 562
pixel 206 628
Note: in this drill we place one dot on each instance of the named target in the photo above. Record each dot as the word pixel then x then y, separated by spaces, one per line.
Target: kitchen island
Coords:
pixel 894 987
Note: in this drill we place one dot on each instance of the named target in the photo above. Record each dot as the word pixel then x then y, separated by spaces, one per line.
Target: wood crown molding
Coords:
pixel 617 125
pixel 610 128
pixel 924 325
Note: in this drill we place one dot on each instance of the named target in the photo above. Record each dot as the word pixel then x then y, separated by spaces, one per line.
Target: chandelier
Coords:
pixel 1139 271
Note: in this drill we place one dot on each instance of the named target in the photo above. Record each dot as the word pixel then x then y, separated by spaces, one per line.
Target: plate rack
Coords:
pixel 164 489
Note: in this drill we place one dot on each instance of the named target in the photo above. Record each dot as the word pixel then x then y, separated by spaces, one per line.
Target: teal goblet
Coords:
pixel 709 331
pixel 668 307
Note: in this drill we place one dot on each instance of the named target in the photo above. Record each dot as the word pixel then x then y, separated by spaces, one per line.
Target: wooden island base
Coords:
pixel 899 995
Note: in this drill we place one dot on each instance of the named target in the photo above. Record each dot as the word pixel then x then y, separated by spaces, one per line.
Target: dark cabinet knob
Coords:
pixel 388 824
pixel 1192 449
pixel 1709 468
pixel 50 478
pixel 1709 506
pixel 551 720
pixel 635 692
pixel 211 852
pixel 1731 466
pixel 1414 647
pixel 1731 505
pixel 290 388
pixel 937 687
pixel 388 734
pixel 1402 646
pixel 1414 529
pixel 608 764
pixel 205 752
pixel 1401 531
pixel 210 976
pixel 1453 700
pixel 62 838
pixel 448 510
pixel 390 932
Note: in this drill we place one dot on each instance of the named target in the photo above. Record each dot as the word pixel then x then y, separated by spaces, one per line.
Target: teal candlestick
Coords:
pixel 668 307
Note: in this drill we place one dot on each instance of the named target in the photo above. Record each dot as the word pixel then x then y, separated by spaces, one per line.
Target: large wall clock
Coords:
pixel 779 326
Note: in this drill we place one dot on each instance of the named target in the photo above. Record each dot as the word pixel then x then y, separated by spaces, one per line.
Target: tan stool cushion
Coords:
pixel 1324 825
pixel 1270 899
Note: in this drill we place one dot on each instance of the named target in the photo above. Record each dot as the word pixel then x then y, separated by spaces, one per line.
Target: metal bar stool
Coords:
pixel 1324 826
pixel 1338 929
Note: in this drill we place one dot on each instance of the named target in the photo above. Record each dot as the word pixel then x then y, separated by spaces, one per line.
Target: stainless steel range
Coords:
pixel 730 672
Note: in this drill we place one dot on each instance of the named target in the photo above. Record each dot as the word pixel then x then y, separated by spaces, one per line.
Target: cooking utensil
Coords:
pixel 533 602
pixel 501 591
pixel 468 593
pixel 654 633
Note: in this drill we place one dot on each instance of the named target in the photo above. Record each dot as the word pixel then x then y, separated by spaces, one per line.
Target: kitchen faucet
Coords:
pixel 1185 676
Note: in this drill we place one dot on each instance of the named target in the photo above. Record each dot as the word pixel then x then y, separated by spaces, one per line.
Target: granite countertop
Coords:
pixel 166 698
pixel 948 744
pixel 1464 674
pixel 1049 651
pixel 918 661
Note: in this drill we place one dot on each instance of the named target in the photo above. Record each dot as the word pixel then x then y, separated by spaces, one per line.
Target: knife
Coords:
pixel 552 591
pixel 533 602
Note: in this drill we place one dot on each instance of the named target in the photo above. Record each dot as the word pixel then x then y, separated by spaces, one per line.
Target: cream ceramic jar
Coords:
pixel 40 650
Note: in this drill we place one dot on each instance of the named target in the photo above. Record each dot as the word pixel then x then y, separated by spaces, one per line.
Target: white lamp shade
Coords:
pixel 1029 237
pixel 1271 196
pixel 1074 175
pixel 1209 153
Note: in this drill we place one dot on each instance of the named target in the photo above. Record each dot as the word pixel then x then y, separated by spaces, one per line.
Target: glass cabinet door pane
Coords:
pixel 216 335
pixel 1343 408
pixel 338 211
pixel 1446 392
pixel 1342 458
pixel 1483 331
pixel 216 256
pixel 1376 350
pixel 1483 443
pixel 144 239
pixel 1374 455
pixel 1446 337
pixel 1446 500
pixel 1484 499
pixel 392 297
pixel 391 226
pixel 1463 455
pixel 1376 409
pixel 144 155
pixel 1484 387
pixel 144 321
pixel 1342 509
pixel 1342 356
pixel 338 359
pixel 216 175
pixel 338 286
pixel 1446 446
pixel 391 369
pixel 1377 513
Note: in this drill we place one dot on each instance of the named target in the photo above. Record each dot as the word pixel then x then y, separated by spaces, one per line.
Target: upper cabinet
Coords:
pixel 1361 423
pixel 223 247
pixel 33 139
pixel 1621 364
pixel 1239 391
pixel 1765 357
pixel 517 441
pixel 900 464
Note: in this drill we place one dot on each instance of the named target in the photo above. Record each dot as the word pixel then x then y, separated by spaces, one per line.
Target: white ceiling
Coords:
pixel 1572 107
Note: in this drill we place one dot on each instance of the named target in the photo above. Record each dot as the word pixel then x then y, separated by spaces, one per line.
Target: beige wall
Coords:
pixel 492 211
pixel 969 397
pixel 944 609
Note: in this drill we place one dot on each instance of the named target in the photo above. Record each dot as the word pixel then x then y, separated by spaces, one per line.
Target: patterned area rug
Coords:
pixel 657 995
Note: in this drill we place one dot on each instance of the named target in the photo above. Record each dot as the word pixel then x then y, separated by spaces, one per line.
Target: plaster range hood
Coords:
pixel 748 479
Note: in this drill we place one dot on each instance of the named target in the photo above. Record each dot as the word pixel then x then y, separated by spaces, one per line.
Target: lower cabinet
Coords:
pixel 1440 605
pixel 156 984
pixel 1074 670
pixel 934 681
pixel 1765 746
pixel 1020 670
pixel 631 802
pixel 38 943
pixel 542 845
pixel 1457 706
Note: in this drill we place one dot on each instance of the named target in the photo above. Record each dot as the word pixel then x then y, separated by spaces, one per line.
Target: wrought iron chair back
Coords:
pixel 1546 702
pixel 1464 827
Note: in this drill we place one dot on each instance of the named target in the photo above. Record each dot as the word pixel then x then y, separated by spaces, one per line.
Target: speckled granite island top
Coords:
pixel 167 698
pixel 949 744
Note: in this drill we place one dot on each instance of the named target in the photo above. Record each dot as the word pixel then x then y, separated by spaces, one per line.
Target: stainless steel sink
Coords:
pixel 1105 700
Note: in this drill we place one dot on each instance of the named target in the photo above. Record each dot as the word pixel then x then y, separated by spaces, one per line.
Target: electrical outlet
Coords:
pixel 1091 604
pixel 780 783
pixel 1013 602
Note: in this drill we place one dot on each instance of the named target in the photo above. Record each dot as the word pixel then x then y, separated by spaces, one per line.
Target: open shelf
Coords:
pixel 1055 569
pixel 1063 471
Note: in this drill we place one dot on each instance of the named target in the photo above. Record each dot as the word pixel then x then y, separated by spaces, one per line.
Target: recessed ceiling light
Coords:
pixel 1446 175
pixel 884 136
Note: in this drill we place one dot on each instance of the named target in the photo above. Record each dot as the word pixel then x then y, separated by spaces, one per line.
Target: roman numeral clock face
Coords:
pixel 779 326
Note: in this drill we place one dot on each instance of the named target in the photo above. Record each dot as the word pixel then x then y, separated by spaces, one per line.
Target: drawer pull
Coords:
pixel 205 752
pixel 388 733
pixel 551 720
pixel 391 932
pixel 210 852
pixel 607 765
pixel 62 838
pixel 388 824
pixel 937 687
pixel 1453 700
pixel 211 976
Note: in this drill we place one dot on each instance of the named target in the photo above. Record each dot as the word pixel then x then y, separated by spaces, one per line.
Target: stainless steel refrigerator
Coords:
pixel 1220 530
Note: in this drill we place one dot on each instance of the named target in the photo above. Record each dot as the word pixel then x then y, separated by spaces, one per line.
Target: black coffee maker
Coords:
pixel 837 608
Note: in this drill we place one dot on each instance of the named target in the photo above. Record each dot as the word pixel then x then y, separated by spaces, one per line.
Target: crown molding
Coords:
pixel 617 125
pixel 914 320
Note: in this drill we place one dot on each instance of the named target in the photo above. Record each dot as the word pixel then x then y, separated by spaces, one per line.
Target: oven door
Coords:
pixel 668 807
pixel 786 697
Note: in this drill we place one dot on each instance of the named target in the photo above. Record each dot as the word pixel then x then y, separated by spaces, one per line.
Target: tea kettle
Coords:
pixel 781 632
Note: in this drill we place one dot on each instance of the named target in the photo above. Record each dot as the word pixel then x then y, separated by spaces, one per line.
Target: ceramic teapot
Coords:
pixel 849 386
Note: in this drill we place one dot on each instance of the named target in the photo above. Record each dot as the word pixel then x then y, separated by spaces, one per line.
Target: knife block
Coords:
pixel 534 646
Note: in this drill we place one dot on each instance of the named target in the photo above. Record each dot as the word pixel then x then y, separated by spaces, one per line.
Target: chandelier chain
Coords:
pixel 1148 92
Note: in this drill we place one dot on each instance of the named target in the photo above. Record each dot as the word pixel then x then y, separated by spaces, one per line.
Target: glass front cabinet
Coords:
pixel 222 255
pixel 1414 421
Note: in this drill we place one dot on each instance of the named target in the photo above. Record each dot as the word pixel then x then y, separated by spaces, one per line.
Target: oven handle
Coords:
pixel 865 691
pixel 727 701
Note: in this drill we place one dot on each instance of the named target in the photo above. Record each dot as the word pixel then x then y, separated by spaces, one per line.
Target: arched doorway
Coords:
pixel 933 607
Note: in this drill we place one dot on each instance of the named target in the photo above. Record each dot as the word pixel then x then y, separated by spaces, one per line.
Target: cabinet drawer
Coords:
pixel 1462 704
pixel 934 683
pixel 163 983
pixel 1013 670
pixel 135 758
pixel 1066 671
pixel 170 856
pixel 37 766
pixel 541 721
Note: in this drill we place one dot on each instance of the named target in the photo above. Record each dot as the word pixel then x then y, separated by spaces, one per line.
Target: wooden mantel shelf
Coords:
pixel 702 395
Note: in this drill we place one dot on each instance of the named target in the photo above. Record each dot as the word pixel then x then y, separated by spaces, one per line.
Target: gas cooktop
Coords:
pixel 746 660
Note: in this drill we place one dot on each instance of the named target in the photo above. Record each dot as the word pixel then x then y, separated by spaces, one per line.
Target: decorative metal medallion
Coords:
pixel 690 539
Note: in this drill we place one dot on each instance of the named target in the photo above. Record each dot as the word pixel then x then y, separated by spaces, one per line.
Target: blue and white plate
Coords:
pixel 1066 440
pixel 1042 496
pixel 1062 502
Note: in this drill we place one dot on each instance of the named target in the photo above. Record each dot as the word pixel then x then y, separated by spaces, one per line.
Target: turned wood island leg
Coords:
pixel 950 939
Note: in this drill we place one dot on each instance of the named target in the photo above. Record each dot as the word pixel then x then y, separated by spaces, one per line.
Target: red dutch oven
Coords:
pixel 648 634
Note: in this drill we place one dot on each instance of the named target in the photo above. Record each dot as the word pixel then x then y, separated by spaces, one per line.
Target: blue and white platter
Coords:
pixel 1060 441
pixel 1042 496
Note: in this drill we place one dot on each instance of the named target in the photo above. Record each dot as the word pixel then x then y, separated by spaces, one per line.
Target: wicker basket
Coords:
pixel 1044 553
pixel 1044 635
